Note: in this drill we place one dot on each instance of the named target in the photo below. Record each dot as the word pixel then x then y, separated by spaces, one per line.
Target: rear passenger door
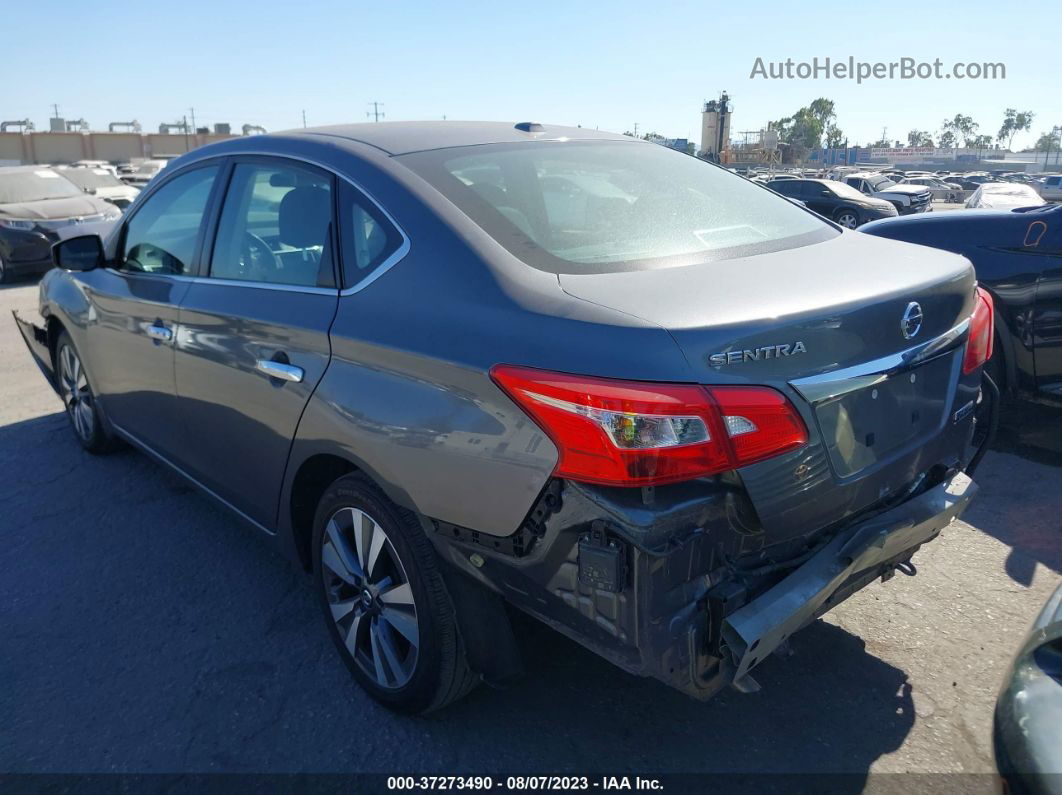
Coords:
pixel 253 340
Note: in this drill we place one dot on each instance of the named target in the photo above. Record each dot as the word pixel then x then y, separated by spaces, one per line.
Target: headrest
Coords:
pixel 304 215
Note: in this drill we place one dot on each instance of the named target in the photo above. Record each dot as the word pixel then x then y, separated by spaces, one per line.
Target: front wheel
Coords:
pixel 849 219
pixel 384 601
pixel 75 389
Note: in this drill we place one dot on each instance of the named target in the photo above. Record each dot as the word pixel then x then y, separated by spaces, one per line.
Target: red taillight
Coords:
pixel 979 345
pixel 631 433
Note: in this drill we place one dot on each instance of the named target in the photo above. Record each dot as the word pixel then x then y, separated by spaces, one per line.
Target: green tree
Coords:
pixel 1014 122
pixel 834 137
pixel 1047 142
pixel 919 138
pixel 946 139
pixel 807 128
pixel 963 128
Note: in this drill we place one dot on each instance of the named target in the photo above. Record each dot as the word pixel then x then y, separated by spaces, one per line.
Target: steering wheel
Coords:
pixel 256 255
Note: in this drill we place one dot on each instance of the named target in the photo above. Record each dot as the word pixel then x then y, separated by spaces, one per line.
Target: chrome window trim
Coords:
pixel 826 386
pixel 396 256
pixel 180 277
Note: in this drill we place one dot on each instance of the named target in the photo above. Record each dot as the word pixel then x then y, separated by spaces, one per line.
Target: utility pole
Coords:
pixel 55 107
pixel 636 129
pixel 192 110
pixel 184 124
pixel 304 118
pixel 375 114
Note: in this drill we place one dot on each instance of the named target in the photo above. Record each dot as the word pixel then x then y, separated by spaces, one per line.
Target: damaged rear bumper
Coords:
pixel 848 562
pixel 662 595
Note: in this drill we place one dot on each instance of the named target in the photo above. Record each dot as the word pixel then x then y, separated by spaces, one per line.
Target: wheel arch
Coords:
pixel 53 329
pixel 310 481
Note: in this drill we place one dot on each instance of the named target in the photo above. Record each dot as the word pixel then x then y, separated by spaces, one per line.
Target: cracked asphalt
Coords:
pixel 142 629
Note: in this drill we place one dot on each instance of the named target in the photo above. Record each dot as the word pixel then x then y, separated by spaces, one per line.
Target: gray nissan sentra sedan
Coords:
pixel 454 366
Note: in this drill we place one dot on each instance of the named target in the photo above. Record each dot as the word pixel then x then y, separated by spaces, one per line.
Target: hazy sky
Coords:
pixel 599 64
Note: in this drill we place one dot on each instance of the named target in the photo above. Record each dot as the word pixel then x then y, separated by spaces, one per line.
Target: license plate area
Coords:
pixel 865 427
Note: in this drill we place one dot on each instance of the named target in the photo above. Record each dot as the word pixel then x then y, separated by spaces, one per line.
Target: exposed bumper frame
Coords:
pixel 752 632
pixel 36 340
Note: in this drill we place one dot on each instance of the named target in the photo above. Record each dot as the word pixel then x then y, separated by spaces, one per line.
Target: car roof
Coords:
pixel 403 137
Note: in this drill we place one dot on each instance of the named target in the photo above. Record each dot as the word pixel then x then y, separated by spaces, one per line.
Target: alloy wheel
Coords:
pixel 76 394
pixel 370 597
pixel 848 220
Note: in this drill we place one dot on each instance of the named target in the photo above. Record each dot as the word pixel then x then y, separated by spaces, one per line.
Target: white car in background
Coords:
pixel 143 172
pixel 102 183
pixel 1003 196
pixel 941 190
pixel 1051 188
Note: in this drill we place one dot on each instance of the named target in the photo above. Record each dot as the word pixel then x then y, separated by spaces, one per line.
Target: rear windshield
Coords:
pixel 32 186
pixel 585 207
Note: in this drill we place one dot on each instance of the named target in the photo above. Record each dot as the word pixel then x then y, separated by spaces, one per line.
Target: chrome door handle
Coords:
pixel 285 372
pixel 159 333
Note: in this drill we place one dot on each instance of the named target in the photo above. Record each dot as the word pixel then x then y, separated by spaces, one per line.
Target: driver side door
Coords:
pixel 133 307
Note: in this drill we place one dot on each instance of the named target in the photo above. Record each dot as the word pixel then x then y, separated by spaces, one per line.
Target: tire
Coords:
pixel 75 388
pixel 395 626
pixel 847 218
pixel 5 272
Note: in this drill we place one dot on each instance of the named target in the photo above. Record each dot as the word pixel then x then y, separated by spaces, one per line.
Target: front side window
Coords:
pixel 161 237
pixel 275 227
pixel 593 206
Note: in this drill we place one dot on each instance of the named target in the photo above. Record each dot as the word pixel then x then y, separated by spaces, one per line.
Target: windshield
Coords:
pixel 580 207
pixel 92 178
pixel 32 186
pixel 881 183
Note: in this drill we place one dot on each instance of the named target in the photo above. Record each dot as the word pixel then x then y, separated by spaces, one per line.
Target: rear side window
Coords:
pixel 367 238
pixel 162 236
pixel 275 227
pixel 593 206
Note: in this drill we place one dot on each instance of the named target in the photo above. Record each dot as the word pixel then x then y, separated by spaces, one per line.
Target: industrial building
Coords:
pixel 68 141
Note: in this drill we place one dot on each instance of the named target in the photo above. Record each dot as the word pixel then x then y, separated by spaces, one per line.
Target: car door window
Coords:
pixel 275 227
pixel 161 237
pixel 367 237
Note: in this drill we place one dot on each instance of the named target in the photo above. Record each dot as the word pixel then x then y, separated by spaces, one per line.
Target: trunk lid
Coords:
pixel 820 323
pixel 842 299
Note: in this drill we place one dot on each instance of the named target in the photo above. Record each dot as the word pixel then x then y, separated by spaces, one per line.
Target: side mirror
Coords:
pixel 82 253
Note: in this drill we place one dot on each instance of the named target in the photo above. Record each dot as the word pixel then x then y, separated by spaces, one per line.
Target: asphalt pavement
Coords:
pixel 142 629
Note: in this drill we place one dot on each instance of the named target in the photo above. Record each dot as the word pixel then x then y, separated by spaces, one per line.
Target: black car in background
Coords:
pixel 834 200
pixel 1018 258
pixel 35 203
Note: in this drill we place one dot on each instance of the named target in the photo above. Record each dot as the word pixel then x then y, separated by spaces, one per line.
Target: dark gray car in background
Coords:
pixel 455 367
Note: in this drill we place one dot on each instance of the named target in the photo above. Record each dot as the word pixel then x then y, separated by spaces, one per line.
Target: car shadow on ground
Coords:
pixel 147 630
pixel 1026 501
